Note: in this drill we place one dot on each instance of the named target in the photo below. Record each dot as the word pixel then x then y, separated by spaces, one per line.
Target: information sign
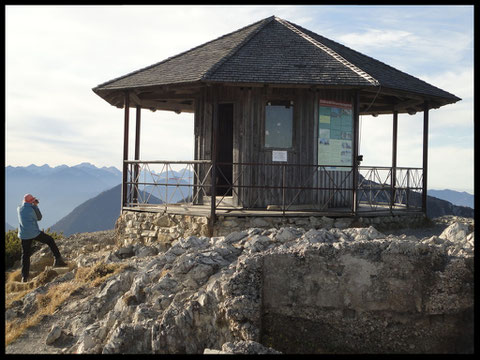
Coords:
pixel 335 134
pixel 279 156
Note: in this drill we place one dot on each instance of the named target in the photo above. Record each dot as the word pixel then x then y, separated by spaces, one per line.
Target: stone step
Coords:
pixel 224 200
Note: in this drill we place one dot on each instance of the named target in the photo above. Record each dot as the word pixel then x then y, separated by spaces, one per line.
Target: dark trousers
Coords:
pixel 27 248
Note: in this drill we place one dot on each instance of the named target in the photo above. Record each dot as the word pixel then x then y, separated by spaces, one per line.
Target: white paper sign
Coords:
pixel 279 156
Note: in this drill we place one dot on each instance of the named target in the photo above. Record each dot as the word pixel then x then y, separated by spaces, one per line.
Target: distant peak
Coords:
pixel 86 164
pixel 110 168
pixel 45 166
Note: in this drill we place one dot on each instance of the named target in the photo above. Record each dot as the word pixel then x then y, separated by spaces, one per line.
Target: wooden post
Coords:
pixel 393 176
pixel 425 157
pixel 214 147
pixel 125 149
pixel 355 150
pixel 137 153
pixel 283 189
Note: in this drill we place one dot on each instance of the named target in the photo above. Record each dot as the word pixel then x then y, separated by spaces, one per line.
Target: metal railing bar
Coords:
pixel 374 187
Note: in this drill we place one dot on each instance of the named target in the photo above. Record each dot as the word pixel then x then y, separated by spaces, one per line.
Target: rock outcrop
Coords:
pixel 289 290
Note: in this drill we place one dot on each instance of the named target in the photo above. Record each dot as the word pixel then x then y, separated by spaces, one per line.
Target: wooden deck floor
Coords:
pixel 204 210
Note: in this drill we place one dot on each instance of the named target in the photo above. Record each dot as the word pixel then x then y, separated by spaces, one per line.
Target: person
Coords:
pixel 28 215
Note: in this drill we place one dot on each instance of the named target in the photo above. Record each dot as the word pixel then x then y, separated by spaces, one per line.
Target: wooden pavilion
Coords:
pixel 276 122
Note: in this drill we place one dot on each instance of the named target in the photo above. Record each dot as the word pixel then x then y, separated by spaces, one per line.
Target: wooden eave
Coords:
pixel 171 97
pixel 375 101
pixel 181 97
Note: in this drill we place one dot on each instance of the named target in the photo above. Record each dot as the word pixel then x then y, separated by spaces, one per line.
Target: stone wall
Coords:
pixel 368 299
pixel 146 228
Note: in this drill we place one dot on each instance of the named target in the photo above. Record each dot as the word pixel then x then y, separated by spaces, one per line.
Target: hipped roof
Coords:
pixel 277 52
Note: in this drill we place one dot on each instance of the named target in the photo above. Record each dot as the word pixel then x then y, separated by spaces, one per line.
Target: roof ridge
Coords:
pixel 330 52
pixel 219 63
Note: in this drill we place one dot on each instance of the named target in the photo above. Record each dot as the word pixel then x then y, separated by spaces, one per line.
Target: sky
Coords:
pixel 55 55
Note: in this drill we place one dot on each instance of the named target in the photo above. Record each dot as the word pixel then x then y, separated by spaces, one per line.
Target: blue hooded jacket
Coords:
pixel 28 215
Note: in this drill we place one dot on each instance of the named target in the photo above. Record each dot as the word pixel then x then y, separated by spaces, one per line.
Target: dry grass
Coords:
pixel 98 273
pixel 47 304
pixel 56 295
pixel 164 272
pixel 11 297
pixel 39 277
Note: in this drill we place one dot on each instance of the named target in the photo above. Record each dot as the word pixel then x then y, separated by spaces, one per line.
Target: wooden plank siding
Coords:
pixel 248 146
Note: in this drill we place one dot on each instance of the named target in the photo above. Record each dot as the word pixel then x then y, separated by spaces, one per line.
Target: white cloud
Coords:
pixel 55 55
pixel 410 46
pixel 166 136
pixel 451 167
pixel 458 81
pixel 378 38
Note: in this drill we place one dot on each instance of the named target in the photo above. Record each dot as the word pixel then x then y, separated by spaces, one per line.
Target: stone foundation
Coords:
pixel 135 227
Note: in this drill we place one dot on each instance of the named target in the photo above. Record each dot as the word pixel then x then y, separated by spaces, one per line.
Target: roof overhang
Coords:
pixel 374 100
pixel 379 100
pixel 171 97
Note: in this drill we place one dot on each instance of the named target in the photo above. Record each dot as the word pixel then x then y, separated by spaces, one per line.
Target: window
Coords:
pixel 279 124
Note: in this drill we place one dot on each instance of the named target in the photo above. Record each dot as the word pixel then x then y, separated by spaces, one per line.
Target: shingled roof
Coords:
pixel 274 51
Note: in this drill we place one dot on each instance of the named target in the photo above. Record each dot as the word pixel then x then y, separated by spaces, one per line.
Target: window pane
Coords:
pixel 278 126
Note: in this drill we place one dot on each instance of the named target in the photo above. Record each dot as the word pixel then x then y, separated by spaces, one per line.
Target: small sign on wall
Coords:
pixel 279 156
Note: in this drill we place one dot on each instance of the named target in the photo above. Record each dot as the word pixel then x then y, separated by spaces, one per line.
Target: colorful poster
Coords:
pixel 335 134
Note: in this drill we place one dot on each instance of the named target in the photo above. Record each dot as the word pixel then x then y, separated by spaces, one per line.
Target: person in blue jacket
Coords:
pixel 28 215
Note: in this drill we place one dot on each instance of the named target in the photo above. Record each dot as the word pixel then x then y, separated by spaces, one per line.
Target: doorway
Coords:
pixel 225 149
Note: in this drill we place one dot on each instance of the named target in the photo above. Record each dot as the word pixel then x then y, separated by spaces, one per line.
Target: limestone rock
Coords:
pixel 455 232
pixel 213 352
pixel 342 223
pixel 287 234
pixel 125 252
pixel 54 334
pixel 259 222
pixel 247 347
pixel 265 290
pixel 145 251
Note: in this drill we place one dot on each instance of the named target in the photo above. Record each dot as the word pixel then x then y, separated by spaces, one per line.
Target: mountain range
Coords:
pixel 96 214
pixel 60 189
pixel 455 197
pixel 435 206
pixel 84 198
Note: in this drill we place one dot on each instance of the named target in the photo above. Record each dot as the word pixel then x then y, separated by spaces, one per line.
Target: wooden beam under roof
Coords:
pixel 176 107
pixel 166 96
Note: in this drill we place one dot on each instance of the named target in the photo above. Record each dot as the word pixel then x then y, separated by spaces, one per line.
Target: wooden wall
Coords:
pixel 248 129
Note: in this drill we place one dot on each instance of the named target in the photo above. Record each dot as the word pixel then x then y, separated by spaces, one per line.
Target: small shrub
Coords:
pixel 13 248
pixel 54 234
pixel 13 245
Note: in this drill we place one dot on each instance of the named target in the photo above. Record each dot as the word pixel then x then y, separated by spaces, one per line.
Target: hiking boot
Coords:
pixel 24 279
pixel 59 263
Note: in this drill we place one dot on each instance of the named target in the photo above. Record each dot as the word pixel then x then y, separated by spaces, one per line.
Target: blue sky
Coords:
pixel 55 55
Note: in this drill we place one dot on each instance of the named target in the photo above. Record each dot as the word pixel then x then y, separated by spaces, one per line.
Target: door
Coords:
pixel 225 149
